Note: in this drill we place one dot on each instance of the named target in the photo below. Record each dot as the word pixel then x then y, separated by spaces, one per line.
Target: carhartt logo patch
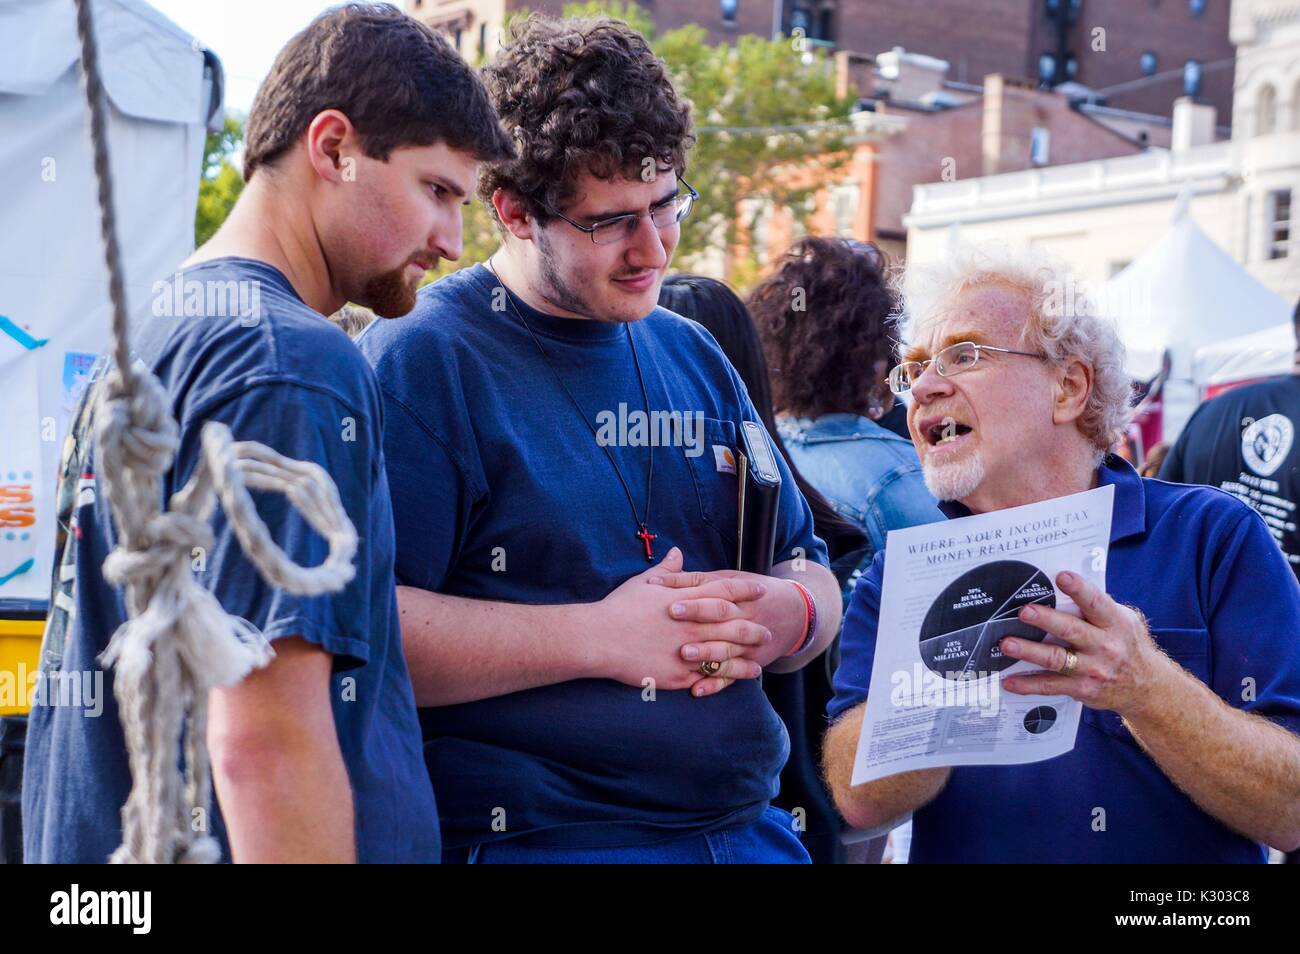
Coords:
pixel 723 459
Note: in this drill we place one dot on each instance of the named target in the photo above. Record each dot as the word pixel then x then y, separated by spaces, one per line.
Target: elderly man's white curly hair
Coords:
pixel 1063 321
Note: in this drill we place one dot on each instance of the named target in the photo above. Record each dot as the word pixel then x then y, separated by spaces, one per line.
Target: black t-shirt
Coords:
pixel 1245 442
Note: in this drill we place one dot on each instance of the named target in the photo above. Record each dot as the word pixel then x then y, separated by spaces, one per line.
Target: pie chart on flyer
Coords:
pixel 964 625
pixel 1040 719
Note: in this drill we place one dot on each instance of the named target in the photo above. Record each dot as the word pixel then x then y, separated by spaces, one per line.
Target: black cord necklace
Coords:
pixel 643 532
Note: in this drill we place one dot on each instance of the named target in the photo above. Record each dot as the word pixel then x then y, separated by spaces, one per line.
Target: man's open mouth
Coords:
pixel 944 430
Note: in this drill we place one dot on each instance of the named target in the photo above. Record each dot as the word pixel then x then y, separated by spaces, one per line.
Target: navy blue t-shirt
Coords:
pixel 1244 442
pixel 1220 600
pixel 501 492
pixel 278 373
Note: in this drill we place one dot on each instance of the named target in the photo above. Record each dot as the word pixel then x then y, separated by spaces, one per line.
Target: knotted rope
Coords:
pixel 178 643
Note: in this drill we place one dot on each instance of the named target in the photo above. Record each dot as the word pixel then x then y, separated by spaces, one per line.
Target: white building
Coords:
pixel 1101 215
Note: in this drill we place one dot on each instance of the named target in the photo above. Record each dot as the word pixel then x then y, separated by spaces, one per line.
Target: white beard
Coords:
pixel 957 479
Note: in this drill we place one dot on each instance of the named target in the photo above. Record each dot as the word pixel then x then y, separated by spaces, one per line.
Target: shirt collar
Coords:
pixel 1129 517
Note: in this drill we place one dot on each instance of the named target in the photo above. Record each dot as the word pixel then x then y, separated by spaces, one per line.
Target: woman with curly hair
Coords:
pixel 827 320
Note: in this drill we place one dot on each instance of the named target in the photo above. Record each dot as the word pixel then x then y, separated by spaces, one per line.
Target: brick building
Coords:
pixel 919 127
pixel 1153 50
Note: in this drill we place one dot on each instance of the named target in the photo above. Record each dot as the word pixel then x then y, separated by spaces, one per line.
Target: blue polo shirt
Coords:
pixel 1220 600
pixel 501 492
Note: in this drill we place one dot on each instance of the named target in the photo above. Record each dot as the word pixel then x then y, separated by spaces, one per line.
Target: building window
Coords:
pixel 482 39
pixel 1192 77
pixel 1279 223
pixel 1046 69
pixel 826 23
pixel 1265 110
pixel 1071 66
pixel 729 10
pixel 1149 63
pixel 1196 7
pixel 801 20
pixel 456 38
pixel 1040 146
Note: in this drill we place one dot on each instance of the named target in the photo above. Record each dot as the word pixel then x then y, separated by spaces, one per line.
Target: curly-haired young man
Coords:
pixel 576 678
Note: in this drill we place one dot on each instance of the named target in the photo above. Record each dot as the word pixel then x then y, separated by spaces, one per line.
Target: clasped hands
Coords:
pixel 664 623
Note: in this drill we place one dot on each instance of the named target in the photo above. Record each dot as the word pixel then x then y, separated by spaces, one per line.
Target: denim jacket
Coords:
pixel 870 475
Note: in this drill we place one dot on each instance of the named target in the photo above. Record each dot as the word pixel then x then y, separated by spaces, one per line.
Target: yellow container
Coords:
pixel 20 656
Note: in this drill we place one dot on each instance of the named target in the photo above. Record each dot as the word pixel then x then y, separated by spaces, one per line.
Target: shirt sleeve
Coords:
pixel 858 642
pixel 308 425
pixel 433 501
pixel 1254 624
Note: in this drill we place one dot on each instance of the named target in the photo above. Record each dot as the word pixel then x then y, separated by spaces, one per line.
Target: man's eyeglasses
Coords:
pixel 952 360
pixel 666 213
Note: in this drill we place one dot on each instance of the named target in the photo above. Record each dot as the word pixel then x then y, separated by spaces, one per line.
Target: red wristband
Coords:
pixel 809 619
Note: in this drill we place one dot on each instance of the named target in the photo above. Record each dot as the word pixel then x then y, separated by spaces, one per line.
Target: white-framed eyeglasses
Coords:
pixel 952 360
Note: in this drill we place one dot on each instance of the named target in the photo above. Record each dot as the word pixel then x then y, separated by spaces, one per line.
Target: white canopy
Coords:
pixel 1256 355
pixel 163 91
pixel 1185 293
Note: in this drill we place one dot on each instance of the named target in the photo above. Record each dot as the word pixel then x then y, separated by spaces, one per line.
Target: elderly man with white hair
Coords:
pixel 1188 665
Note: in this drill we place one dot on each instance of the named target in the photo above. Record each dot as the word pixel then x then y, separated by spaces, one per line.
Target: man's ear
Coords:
pixel 332 146
pixel 1073 386
pixel 512 215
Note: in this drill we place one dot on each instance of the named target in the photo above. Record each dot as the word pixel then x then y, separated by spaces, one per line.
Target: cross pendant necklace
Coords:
pixel 646 536
pixel 643 532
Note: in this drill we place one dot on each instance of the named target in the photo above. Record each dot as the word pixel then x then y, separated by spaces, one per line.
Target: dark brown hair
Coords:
pixel 398 82
pixel 579 96
pixel 827 318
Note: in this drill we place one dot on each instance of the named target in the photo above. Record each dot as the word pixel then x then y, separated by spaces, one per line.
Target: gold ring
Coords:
pixel 709 667
pixel 1071 662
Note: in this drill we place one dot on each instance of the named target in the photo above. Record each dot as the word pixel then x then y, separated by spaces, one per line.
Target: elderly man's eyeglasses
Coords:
pixel 952 360
pixel 666 213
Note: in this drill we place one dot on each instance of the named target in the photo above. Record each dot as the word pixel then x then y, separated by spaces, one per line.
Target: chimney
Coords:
pixel 909 76
pixel 992 131
pixel 853 74
pixel 1193 124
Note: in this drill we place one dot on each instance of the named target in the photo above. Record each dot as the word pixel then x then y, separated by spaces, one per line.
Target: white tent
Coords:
pixel 163 91
pixel 1256 355
pixel 1185 293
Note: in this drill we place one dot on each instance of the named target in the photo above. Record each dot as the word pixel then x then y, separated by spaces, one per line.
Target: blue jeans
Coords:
pixel 770 840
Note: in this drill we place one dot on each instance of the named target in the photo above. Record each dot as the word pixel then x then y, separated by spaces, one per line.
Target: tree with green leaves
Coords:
pixel 221 182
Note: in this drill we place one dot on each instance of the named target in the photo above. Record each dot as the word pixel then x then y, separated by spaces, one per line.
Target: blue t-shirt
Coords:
pixel 501 492
pixel 275 372
pixel 1220 600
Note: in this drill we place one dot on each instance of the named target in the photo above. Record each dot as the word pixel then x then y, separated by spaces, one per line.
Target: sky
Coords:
pixel 245 35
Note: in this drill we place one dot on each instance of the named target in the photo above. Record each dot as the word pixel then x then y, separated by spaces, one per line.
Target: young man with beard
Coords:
pixel 576 680
pixel 1188 664
pixel 362 144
